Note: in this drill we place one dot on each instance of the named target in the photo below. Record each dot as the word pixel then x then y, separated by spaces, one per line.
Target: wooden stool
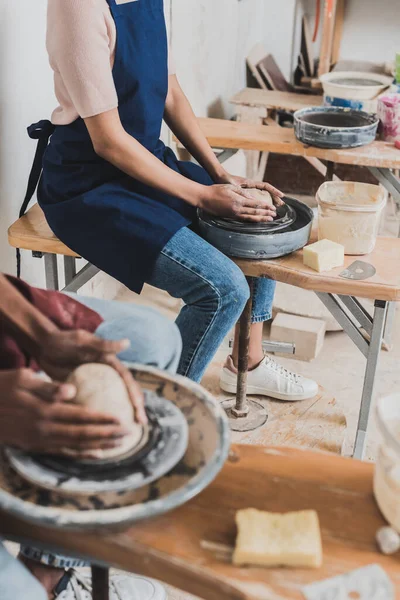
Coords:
pixel 31 232
pixel 190 548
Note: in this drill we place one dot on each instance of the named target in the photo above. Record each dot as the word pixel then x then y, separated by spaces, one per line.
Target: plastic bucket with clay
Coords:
pixel 349 213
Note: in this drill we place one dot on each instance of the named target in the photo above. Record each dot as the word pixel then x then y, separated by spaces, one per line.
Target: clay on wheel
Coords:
pixel 262 195
pixel 101 389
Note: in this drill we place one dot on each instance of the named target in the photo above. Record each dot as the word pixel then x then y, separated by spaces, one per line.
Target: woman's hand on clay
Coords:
pixel 246 183
pixel 63 351
pixel 234 202
pixel 39 416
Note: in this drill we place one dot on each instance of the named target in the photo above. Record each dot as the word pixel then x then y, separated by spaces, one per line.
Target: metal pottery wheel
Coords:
pixel 287 233
pixel 161 451
pixel 335 127
pixel 206 452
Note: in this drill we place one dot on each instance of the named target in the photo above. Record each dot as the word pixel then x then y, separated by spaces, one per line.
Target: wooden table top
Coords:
pixel 384 285
pixel 191 547
pixel 222 133
pixel 275 100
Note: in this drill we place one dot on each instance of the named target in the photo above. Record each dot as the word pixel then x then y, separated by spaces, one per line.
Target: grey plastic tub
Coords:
pixel 335 127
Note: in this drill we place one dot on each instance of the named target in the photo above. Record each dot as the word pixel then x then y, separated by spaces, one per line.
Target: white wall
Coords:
pixel 25 96
pixel 371 29
pixel 211 39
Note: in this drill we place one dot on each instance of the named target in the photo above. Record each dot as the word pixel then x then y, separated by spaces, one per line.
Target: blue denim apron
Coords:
pixel 112 220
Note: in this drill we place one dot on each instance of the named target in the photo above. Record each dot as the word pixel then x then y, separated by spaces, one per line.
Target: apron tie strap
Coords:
pixel 40 131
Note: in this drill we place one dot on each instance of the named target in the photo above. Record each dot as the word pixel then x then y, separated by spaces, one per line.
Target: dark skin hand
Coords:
pixel 245 183
pixel 39 416
pixel 63 351
pixel 60 352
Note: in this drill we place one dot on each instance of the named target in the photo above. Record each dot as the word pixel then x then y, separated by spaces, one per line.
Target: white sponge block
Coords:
pixel 323 255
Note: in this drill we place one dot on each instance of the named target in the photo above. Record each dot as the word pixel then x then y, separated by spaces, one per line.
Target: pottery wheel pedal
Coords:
pixel 161 446
pixel 288 232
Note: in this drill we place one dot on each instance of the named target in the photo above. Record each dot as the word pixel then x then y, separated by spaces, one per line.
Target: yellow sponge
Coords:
pixel 273 539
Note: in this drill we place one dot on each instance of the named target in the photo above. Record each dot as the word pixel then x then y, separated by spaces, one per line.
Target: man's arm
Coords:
pixel 60 352
pixel 38 416
pixel 27 325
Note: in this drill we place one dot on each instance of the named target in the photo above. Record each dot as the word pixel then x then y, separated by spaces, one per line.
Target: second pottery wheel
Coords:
pixel 287 233
pixel 154 456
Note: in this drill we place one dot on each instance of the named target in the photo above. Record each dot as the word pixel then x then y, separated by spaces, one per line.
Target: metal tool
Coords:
pixel 358 270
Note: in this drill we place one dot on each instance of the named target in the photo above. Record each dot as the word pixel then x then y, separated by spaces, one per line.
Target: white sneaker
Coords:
pixel 75 586
pixel 270 379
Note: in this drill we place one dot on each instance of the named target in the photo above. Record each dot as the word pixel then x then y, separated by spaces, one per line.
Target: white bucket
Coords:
pixel 349 213
pixel 387 468
pixel 355 85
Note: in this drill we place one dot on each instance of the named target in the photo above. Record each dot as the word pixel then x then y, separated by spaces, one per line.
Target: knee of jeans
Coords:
pixel 167 348
pixel 235 289
pixel 155 341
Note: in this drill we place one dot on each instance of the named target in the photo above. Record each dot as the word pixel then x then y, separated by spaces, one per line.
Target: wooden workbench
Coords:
pixel 191 547
pixel 222 133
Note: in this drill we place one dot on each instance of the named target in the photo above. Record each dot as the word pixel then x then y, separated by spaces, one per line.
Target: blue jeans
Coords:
pixel 155 341
pixel 16 582
pixel 214 291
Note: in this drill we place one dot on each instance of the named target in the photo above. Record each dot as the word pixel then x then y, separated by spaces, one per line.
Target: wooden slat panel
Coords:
pixel 230 134
pixel 190 547
pixel 32 232
pixel 274 100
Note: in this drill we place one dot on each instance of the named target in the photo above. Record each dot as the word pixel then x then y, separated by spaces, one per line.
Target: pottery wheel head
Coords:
pixel 285 217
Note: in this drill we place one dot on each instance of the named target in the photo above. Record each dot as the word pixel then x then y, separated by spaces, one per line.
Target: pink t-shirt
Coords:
pixel 81 42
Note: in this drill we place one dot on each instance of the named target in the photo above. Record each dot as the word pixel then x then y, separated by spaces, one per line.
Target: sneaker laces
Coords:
pixel 272 364
pixel 80 585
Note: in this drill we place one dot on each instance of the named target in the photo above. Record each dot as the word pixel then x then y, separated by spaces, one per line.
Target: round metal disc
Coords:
pixel 285 216
pixel 167 444
pixel 256 416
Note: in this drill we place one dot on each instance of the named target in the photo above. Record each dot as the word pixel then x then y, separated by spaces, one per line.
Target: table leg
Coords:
pixel 244 414
pixel 69 269
pixel 51 271
pixel 369 380
pixel 100 583
pixel 330 171
pixel 369 348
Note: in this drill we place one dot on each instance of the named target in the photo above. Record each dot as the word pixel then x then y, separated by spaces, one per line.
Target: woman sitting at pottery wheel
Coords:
pixel 116 195
pixel 52 332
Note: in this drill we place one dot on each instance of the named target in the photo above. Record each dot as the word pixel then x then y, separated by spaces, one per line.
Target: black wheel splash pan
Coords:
pixel 335 127
pixel 289 232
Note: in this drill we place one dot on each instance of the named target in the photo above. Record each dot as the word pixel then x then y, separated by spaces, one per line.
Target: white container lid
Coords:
pixel 352 196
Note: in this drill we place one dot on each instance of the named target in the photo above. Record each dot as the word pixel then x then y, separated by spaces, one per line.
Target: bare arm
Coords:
pixel 183 122
pixel 115 145
pixel 23 320
pixel 181 119
pixel 59 352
